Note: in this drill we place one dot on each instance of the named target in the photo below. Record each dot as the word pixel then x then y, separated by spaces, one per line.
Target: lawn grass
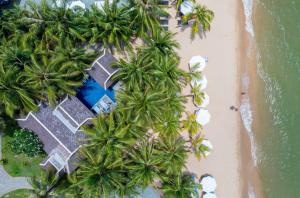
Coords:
pixel 20 165
pixel 21 193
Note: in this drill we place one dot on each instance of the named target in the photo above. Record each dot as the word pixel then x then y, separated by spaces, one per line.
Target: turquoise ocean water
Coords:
pixel 274 125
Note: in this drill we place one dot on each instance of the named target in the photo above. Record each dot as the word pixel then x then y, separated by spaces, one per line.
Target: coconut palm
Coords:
pixel 52 78
pixel 159 43
pixel 43 186
pixel 146 14
pixel 202 17
pixel 172 154
pixel 168 124
pixel 191 125
pixel 15 93
pixel 144 107
pixel 198 148
pixel 144 164
pixel 111 26
pixel 99 175
pixel 51 25
pixel 198 95
pixel 180 186
pixel 135 73
pixel 11 54
pixel 112 134
pixel 168 74
pixel 75 57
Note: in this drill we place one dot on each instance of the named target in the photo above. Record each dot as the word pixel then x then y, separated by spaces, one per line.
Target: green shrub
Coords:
pixel 26 142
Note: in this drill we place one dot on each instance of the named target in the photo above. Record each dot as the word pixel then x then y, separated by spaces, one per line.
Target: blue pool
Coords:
pixel 91 92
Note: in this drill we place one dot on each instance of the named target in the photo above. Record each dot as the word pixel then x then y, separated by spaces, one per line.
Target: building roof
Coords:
pixel 102 71
pixel 58 128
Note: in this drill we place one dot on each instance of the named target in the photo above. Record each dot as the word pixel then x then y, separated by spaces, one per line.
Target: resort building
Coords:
pixel 59 129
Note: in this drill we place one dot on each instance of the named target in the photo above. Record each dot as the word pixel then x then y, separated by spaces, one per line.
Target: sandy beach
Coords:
pixel 221 46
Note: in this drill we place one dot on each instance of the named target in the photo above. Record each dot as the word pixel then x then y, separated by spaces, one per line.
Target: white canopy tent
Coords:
pixel 197 63
pixel 76 4
pixel 202 82
pixel 203 116
pixel 207 144
pixel 208 183
pixel 205 101
pixel 186 7
pixel 209 195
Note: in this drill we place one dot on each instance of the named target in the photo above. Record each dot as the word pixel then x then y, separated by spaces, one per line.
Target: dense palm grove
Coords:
pixel 44 52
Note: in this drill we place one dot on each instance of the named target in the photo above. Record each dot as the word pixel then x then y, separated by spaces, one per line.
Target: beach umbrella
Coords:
pixel 76 4
pixel 208 145
pixel 203 116
pixel 186 7
pixel 202 82
pixel 208 184
pixel 197 63
pixel 205 101
pixel 209 195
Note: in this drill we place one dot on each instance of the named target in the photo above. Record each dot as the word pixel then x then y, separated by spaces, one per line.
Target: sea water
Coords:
pixel 274 127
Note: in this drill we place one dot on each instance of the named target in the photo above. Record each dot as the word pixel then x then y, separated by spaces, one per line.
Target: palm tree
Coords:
pixel 51 25
pixel 198 148
pixel 146 14
pixel 52 78
pixel 44 185
pixel 191 125
pixel 11 54
pixel 112 134
pixel 168 74
pixel 202 16
pixel 75 57
pixel 197 94
pixel 144 107
pixel 180 186
pixel 99 175
pixel 144 165
pixel 172 154
pixel 168 124
pixel 135 73
pixel 111 26
pixel 159 43
pixel 15 93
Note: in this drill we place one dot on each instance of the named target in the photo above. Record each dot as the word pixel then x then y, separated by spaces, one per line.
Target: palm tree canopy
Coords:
pixel 51 77
pixel 112 134
pixel 180 186
pixel 15 93
pixel 111 26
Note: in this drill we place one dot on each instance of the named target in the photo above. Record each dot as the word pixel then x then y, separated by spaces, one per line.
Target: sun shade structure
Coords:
pixel 197 63
pixel 186 7
pixel 209 195
pixel 208 183
pixel 76 4
pixel 102 71
pixel 208 145
pixel 202 82
pixel 203 116
pixel 205 101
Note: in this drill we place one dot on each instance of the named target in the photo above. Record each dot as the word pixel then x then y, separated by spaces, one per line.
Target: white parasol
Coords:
pixel 197 63
pixel 203 116
pixel 208 183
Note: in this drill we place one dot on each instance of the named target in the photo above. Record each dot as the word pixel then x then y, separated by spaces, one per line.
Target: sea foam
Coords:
pixel 248 8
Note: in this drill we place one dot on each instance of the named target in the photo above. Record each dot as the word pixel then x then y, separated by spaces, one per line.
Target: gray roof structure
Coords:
pixel 58 128
pixel 102 71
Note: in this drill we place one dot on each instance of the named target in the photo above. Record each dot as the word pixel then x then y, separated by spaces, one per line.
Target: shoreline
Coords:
pixel 222 47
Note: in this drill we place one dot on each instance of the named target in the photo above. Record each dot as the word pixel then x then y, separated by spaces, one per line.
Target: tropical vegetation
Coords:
pixel 44 52
pixel 26 142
